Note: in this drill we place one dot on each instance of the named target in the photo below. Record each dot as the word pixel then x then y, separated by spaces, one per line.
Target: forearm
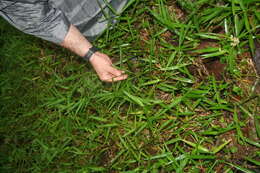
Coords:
pixel 102 64
pixel 76 42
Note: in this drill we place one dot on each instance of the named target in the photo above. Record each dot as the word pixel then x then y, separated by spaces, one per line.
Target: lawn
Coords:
pixel 191 102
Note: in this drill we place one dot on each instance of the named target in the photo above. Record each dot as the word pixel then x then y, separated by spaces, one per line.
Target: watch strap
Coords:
pixel 90 52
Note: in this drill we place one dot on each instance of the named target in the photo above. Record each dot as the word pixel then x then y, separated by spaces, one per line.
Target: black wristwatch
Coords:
pixel 90 52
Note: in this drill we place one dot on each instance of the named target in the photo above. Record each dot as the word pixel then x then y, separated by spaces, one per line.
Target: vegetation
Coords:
pixel 191 102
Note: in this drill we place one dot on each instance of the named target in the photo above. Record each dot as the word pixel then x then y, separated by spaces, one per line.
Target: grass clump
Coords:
pixel 190 104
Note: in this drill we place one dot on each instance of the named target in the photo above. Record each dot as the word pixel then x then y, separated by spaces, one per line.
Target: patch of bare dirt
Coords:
pixel 179 14
pixel 206 44
pixel 215 68
pixel 163 96
pixel 108 155
pixel 203 68
pixel 247 68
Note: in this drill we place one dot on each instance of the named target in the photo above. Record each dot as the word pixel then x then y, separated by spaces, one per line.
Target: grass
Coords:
pixel 191 103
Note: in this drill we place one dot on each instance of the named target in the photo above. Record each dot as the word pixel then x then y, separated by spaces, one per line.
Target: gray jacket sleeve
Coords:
pixel 36 17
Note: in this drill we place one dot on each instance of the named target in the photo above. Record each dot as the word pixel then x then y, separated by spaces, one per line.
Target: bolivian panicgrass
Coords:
pixel 190 104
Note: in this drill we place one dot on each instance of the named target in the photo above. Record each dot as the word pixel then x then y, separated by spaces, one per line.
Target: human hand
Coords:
pixel 103 66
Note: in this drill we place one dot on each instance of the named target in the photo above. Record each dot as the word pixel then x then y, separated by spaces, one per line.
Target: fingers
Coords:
pixel 110 78
pixel 113 75
pixel 114 71
pixel 119 78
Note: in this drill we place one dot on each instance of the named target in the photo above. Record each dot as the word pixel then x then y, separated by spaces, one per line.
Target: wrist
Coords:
pixel 93 58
